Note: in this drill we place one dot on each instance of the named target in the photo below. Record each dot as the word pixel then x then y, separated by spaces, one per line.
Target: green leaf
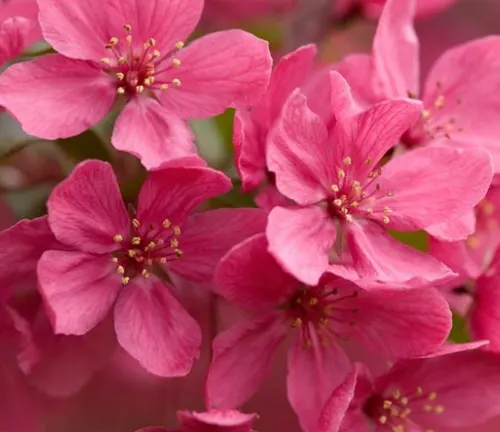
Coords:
pixel 416 239
pixel 87 145
pixel 459 333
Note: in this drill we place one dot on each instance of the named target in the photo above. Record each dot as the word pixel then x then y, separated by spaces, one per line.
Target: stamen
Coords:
pixel 118 238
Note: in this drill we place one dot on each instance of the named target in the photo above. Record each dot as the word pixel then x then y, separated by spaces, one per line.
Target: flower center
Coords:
pixel 321 310
pixel 352 197
pixel 137 66
pixel 393 411
pixel 146 249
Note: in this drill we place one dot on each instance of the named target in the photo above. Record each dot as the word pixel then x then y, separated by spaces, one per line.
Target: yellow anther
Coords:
pixel 368 161
pixel 120 270
pixel 177 230
pixel 156 53
pixel 369 211
pixel 426 114
pixel 166 223
pixel 132 253
pixel 406 412
pixel 164 87
pixel 122 60
pixel 136 241
pixel 105 60
pixel 151 42
pixel 354 204
pixel 144 273
pixel 149 80
pixel 178 253
pixel 176 82
pixel 432 396
pixel 386 220
pixel 382 419
pixel 127 27
pixel 337 202
pixel 296 322
pixel 125 280
pixel 387 404
pixel 151 245
pixel 334 188
pixel 347 161
pixel 136 223
pixel 114 259
pixel 120 76
pixel 313 301
pixel 349 218
pixel 120 90
pixel 396 394
pixel 129 39
pixel 356 184
pixel 404 401
pixel 439 409
pixel 387 210
pixel 113 41
pixel 341 174
pixel 118 238
pixel 395 411
pixel 174 243
pixel 179 45
pixel 176 62
pixel 139 89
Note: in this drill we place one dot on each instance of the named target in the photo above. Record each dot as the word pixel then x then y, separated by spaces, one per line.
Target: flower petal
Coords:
pixel 454 229
pixel 153 327
pixel 21 246
pixel 249 276
pixel 14 34
pixel 73 95
pixel 427 194
pixel 173 191
pixel 380 257
pixel 396 51
pixel 82 29
pixel 86 210
pixel 229 421
pixel 221 70
pixel 207 236
pixel 298 153
pixel 78 289
pixel 313 374
pixel 242 357
pixel 152 133
pixel 466 79
pixel 300 239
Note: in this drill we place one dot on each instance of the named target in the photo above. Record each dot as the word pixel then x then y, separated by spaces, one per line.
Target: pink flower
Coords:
pixel 139 56
pixel 27 10
pixel 396 322
pixel 14 37
pixel 373 8
pixel 211 421
pixel 345 197
pixel 227 10
pixel 124 260
pixel 457 387
pixel 460 107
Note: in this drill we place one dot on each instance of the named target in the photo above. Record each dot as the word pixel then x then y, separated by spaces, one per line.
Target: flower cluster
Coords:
pixel 340 160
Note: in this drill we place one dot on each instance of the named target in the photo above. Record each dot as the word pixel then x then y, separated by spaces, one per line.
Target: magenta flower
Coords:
pixel 457 387
pixel 123 260
pixel 210 421
pixel 346 198
pixel 139 56
pixel 460 107
pixel 395 322
pixel 423 8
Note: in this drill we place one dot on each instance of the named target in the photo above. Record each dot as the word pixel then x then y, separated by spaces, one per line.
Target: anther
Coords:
pixel 163 260
pixel 432 396
pixel 127 27
pixel 120 90
pixel 164 87
pixel 144 273
pixel 105 60
pixel 427 408
pixel 122 60
pixel 114 259
pixel 118 238
pixel 151 245
pixel 125 280
pixel 296 322
pixel 178 253
pixel 132 253
pixel 349 218
pixel 386 220
pixel 113 41
pixel 426 114
pixel 136 223
pixel 356 184
pixel 176 82
pixel 382 419
pixel 368 161
pixel 419 391
pixel 313 301
pixel 136 241
pixel 176 62
pixel 347 161
pixel 156 53
pixel 149 80
pixel 334 188
pixel 439 103
pixel 387 404
pixel 404 401
pixel 396 394
pixel 406 412
pixel 177 230
pixel 151 42
pixel 120 76
pixel 120 270
pixel 439 409
pixel 387 210
pixel 139 89
pixel 337 202
pixel 129 39
pixel 166 223
pixel 179 45
pixel 341 174
pixel 174 243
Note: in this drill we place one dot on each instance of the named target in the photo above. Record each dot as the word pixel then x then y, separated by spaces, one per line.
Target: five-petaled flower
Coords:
pixel 134 49
pixel 125 260
pixel 396 322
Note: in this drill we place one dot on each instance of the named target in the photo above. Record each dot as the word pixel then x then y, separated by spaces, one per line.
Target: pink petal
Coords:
pixel 298 153
pixel 396 51
pixel 27 9
pixel 467 77
pixel 86 209
pixel 457 256
pixel 313 374
pixel 14 33
pixel 220 70
pixel 300 239
pixel 78 289
pixel 77 30
pixel 152 133
pixel 249 150
pixel 454 229
pixel 475 372
pixel 485 313
pixel 215 421
pixel 68 363
pixel 269 197
pixel 378 256
pixel 155 429
pixel 173 191
pixel 250 277
pixel 72 95
pixel 400 323
pixel 207 236
pixel 430 7
pixel 427 194
pixel 242 358
pixel 369 135
pixel 21 246
pixel 153 327
pixel 336 407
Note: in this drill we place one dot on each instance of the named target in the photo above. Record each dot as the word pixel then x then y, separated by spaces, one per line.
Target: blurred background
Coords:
pixel 120 396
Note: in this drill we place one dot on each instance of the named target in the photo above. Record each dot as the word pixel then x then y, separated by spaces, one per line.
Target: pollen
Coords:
pixel 179 45
pixel 176 82
pixel 386 220
pixel 176 62
pixel 347 161
pixel 118 238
